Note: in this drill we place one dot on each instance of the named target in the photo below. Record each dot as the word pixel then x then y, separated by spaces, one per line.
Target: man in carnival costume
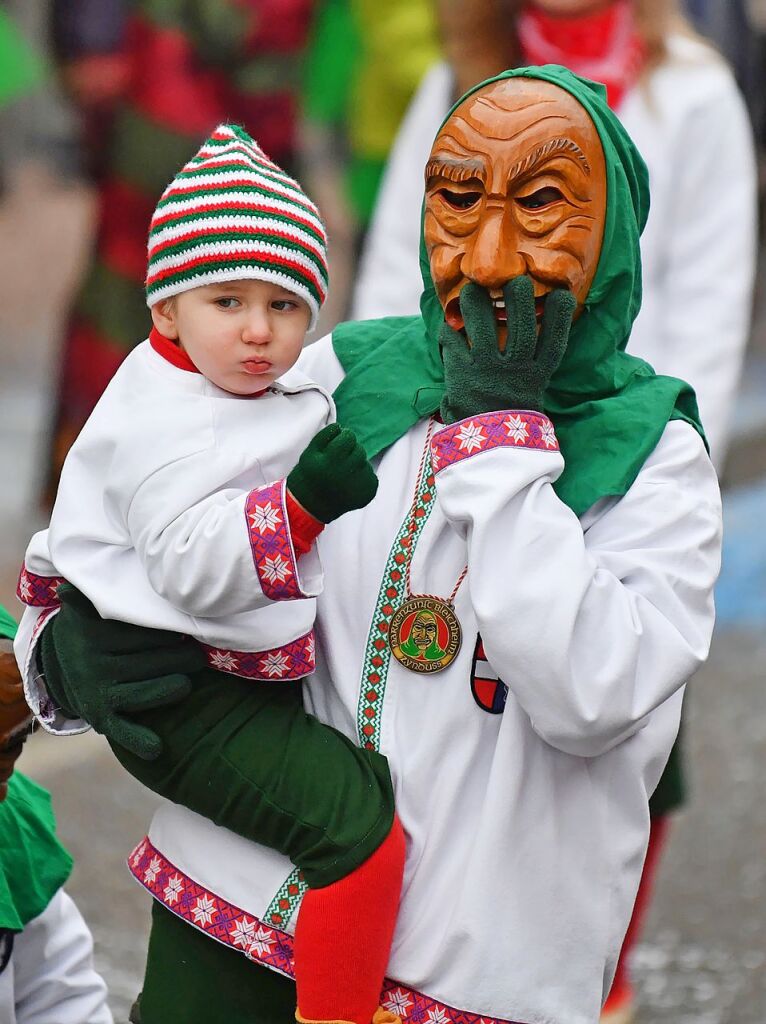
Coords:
pixel 550 502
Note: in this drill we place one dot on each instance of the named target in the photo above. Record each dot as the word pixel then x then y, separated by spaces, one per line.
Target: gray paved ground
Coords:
pixel 703 958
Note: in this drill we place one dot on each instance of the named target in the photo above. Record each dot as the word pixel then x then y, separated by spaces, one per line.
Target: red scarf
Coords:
pixel 604 46
pixel 171 351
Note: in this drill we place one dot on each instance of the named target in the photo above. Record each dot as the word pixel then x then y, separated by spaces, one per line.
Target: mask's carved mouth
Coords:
pixel 454 317
pixel 452 314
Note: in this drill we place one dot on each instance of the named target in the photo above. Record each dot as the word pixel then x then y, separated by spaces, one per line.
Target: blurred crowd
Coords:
pixel 347 95
pixel 325 85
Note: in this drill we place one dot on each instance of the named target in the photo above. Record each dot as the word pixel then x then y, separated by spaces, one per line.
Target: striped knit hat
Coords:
pixel 231 214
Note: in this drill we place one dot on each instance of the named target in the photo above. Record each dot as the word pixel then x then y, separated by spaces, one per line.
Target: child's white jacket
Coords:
pixel 523 770
pixel 171 513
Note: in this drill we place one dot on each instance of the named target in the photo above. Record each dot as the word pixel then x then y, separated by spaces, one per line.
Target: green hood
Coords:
pixel 609 408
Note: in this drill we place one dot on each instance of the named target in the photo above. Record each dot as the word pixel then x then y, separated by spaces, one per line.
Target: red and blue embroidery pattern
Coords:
pixel 491 430
pixel 270 541
pixel 291 661
pixel 38 591
pixel 266 945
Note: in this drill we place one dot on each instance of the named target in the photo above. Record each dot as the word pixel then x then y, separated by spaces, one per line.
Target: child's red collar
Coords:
pixel 170 351
pixel 174 354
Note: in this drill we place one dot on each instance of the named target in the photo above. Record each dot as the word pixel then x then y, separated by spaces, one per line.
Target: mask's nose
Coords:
pixel 491 257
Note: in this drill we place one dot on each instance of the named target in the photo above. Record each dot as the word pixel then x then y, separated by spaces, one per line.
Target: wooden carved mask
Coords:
pixel 515 184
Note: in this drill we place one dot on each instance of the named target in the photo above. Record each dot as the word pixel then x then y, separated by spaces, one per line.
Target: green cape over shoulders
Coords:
pixel 33 864
pixel 609 408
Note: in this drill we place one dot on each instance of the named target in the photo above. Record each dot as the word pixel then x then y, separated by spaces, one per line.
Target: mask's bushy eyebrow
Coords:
pixel 455 168
pixel 548 149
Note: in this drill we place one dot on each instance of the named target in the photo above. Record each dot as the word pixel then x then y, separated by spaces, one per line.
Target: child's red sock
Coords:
pixel 343 937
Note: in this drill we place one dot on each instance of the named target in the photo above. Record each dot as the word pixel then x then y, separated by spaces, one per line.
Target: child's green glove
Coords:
pixel 333 475
pixel 480 378
pixel 101 671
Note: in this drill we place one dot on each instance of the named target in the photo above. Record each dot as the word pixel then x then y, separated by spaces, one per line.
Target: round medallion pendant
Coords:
pixel 425 634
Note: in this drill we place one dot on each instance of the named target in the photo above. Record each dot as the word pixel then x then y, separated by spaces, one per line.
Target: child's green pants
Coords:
pixel 247 756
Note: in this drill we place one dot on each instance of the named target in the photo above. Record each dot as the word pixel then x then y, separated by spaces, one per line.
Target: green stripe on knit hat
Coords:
pixel 286 274
pixel 232 235
pixel 207 231
pixel 226 211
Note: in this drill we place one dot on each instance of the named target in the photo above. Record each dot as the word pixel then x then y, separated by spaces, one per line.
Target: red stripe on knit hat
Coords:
pixel 246 257
pixel 174 192
pixel 207 232
pixel 236 146
pixel 235 209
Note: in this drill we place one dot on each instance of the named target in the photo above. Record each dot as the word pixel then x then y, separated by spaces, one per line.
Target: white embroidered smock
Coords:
pixel 171 513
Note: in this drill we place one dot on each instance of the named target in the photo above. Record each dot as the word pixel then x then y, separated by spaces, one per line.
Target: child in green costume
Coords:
pixel 46 969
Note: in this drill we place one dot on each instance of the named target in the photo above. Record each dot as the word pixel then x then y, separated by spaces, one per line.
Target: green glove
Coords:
pixel 333 475
pixel 102 671
pixel 480 378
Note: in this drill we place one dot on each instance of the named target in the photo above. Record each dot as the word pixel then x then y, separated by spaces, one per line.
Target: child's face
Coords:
pixel 241 335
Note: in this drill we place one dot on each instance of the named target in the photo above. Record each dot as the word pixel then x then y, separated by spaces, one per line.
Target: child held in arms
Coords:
pixel 191 502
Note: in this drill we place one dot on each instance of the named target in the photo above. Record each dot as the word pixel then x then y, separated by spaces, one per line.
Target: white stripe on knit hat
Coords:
pixel 223 137
pixel 238 154
pixel 177 261
pixel 210 225
pixel 222 178
pixel 232 199
pixel 242 273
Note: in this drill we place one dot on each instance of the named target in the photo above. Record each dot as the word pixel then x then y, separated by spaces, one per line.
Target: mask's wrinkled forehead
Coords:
pixel 509 127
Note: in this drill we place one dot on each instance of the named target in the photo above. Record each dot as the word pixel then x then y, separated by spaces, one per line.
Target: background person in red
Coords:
pixel 179 68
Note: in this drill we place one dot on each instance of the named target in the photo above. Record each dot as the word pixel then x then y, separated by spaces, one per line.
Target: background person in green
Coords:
pixel 46 967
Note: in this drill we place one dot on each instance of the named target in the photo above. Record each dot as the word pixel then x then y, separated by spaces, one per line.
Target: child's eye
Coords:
pixel 227 302
pixel 283 304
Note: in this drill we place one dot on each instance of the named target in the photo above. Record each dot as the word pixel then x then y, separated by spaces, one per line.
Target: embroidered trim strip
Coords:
pixel 38 591
pixel 287 900
pixel 491 430
pixel 377 656
pixel 263 944
pixel 291 661
pixel 271 544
